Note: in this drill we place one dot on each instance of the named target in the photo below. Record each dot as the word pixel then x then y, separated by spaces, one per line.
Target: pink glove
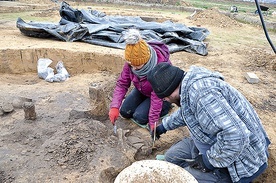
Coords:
pixel 113 114
pixel 151 126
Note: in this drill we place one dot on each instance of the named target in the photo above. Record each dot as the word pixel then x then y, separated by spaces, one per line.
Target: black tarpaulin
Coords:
pixel 94 27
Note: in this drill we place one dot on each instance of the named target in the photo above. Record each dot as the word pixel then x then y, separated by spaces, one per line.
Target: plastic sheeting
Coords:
pixel 95 27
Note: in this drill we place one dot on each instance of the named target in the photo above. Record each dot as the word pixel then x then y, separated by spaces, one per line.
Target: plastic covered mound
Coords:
pixel 94 27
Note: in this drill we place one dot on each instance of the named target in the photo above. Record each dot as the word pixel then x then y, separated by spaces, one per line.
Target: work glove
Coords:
pixel 198 164
pixel 159 131
pixel 151 127
pixel 113 114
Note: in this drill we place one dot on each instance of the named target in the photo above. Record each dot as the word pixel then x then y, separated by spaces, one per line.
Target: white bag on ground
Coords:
pixel 43 67
pixel 51 75
pixel 62 73
pixel 47 73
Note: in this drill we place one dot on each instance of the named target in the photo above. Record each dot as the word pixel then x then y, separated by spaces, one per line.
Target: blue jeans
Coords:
pixel 185 149
pixel 136 106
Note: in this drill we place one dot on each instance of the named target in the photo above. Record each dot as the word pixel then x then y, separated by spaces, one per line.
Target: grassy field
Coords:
pixel 246 7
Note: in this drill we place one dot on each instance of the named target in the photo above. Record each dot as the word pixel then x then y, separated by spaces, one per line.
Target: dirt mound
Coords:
pixel 212 17
pixel 261 59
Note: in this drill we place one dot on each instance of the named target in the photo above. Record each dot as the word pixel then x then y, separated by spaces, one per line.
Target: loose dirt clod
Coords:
pixel 29 109
pixel 99 101
pixel 7 107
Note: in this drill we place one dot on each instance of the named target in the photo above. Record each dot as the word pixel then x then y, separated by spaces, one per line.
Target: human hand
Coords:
pixel 198 164
pixel 113 114
pixel 159 131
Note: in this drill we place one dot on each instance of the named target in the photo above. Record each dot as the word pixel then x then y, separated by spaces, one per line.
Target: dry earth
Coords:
pixel 71 139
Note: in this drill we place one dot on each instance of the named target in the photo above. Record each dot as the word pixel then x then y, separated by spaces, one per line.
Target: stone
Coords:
pixel 251 77
pixel 98 101
pixel 18 102
pixel 29 109
pixel 78 113
pixel 7 107
pixel 154 171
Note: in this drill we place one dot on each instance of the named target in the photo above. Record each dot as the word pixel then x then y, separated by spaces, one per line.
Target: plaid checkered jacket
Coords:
pixel 220 116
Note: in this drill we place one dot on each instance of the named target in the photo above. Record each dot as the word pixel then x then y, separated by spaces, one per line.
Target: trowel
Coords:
pixel 115 128
pixel 154 136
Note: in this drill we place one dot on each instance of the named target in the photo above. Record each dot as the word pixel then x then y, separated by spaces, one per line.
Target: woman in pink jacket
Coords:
pixel 142 104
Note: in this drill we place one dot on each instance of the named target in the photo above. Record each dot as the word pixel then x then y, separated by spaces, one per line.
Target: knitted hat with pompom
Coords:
pixel 137 51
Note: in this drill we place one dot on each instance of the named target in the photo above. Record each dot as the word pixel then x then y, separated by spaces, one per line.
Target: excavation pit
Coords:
pixel 64 143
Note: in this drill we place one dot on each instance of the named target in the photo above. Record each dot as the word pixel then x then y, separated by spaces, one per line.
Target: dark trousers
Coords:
pixel 184 150
pixel 136 106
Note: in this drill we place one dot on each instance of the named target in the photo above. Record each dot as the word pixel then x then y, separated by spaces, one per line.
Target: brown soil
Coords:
pixel 71 139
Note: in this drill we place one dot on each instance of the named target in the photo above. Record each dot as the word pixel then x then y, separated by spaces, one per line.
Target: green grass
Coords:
pixel 27 16
pixel 13 16
pixel 223 5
